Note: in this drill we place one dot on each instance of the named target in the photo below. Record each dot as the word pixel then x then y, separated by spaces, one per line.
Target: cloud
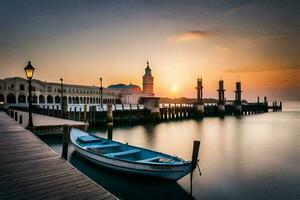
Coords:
pixel 222 49
pixel 238 8
pixel 262 69
pixel 191 36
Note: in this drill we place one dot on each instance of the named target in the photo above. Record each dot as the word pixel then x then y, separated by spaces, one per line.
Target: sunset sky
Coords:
pixel 256 42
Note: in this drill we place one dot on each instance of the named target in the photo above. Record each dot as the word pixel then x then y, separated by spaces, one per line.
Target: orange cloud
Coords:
pixel 190 36
pixel 262 69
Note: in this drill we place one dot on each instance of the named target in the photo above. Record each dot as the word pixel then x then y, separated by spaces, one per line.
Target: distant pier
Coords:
pixel 151 110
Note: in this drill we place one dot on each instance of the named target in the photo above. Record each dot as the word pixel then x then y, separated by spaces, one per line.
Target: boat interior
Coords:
pixel 121 151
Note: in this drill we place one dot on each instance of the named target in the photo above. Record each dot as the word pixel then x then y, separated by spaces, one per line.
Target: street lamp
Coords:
pixel 29 70
pixel 101 97
pixel 62 97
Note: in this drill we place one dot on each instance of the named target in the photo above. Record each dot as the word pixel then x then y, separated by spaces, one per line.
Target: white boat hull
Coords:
pixel 167 172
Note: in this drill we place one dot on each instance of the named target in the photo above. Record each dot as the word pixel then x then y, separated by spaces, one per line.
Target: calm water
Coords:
pixel 251 157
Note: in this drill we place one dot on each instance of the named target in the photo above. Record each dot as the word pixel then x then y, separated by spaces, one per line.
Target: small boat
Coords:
pixel 127 158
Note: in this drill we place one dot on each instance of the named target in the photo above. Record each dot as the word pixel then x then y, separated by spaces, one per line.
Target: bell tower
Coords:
pixel 148 81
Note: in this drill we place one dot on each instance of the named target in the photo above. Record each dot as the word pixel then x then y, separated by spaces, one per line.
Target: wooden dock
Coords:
pixel 29 169
pixel 44 124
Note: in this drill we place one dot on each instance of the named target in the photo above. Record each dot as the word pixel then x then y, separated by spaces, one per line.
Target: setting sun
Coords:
pixel 174 88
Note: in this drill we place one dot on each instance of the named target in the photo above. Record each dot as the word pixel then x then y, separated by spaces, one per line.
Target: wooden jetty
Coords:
pixel 44 124
pixel 151 109
pixel 167 112
pixel 29 169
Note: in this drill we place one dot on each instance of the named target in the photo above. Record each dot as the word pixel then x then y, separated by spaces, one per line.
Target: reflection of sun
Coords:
pixel 174 88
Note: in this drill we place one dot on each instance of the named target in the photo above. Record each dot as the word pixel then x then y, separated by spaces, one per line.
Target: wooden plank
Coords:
pixel 29 169
pixel 81 188
pixel 22 190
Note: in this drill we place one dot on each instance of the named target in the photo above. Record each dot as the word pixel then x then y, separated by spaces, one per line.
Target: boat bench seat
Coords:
pixel 88 139
pixel 123 153
pixel 102 146
pixel 150 159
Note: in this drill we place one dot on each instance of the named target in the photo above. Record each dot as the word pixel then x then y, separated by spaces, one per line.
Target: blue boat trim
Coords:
pixel 127 158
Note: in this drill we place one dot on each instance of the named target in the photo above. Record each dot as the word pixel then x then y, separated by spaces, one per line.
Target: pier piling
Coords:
pixel 84 113
pixel 16 116
pixel 109 120
pixel 20 119
pixel 66 130
pixel 196 147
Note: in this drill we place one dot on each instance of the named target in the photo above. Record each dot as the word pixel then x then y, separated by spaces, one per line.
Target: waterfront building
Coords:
pixel 132 94
pixel 15 91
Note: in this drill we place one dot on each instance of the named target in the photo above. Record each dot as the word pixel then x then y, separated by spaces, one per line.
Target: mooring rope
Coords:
pixel 198 166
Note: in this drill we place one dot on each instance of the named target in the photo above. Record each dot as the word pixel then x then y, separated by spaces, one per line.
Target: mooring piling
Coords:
pixel 20 119
pixel 84 113
pixel 66 130
pixel 16 116
pixel 196 147
pixel 109 121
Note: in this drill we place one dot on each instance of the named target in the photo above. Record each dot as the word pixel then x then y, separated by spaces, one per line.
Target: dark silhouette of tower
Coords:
pixel 221 98
pixel 200 105
pixel 199 92
pixel 238 98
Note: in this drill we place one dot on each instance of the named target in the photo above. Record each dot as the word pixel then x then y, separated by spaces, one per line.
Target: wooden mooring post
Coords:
pixel 66 132
pixel 20 119
pixel 84 112
pixel 109 120
pixel 16 116
pixel 196 147
pixel 94 115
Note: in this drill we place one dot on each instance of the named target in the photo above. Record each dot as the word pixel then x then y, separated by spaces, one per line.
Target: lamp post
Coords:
pixel 29 70
pixel 101 94
pixel 62 98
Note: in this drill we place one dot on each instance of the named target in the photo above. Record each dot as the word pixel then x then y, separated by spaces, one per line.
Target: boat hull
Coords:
pixel 166 172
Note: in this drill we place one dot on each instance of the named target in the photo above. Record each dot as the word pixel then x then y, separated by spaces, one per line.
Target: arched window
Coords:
pixel 34 99
pixel 57 99
pixel 49 99
pixel 84 100
pixel 10 98
pixel 41 99
pixel 22 98
pixel 65 100
pixel 22 87
pixel 80 100
pixel 1 98
pixel 70 100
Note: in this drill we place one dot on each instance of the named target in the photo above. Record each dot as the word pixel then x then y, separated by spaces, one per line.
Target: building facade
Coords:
pixel 15 91
pixel 132 94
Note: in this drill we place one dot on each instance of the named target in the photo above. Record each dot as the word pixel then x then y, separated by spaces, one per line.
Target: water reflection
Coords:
pixel 249 157
pixel 129 186
pixel 124 186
